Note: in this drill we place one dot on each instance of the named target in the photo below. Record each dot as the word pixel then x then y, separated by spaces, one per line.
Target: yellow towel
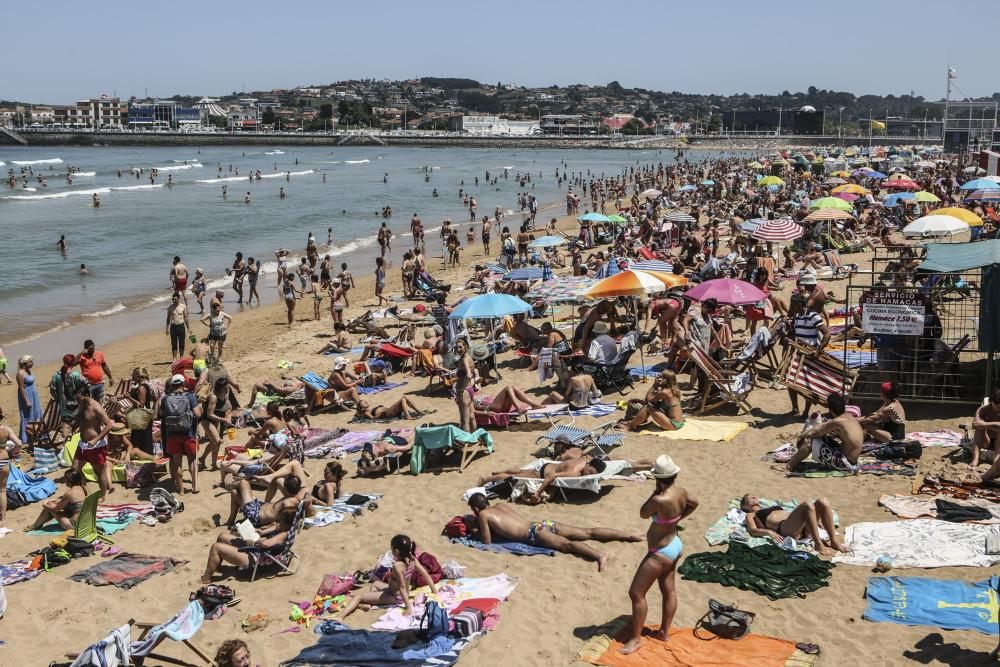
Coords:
pixel 703 429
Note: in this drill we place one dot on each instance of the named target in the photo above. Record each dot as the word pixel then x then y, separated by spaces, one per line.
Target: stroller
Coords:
pixel 614 375
pixel 428 287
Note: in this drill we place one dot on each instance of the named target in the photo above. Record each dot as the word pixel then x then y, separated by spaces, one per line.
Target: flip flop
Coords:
pixel 111 551
pixel 809 649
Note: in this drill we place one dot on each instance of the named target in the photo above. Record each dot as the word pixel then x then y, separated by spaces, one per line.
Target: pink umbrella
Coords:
pixel 783 229
pixel 900 183
pixel 846 196
pixel 726 291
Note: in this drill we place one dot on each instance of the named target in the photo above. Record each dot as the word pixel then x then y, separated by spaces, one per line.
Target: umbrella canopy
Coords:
pixel 828 214
pixel 708 181
pixel 628 283
pixel 924 164
pixel 616 218
pixel 830 202
pixel 755 165
pixel 548 242
pixel 652 265
pixel 834 181
pixel 962 214
pixel 983 195
pixel 651 193
pixel 981 184
pixel 875 174
pixel 750 225
pixel 851 188
pixel 769 180
pixel 925 196
pixel 900 184
pixel 780 162
pixel 841 174
pixel 726 291
pixel 557 290
pixel 686 188
pixel 935 225
pixel 593 217
pixel 893 200
pixel 777 230
pixel 679 216
pixel 995 179
pixel 846 196
pixel 489 306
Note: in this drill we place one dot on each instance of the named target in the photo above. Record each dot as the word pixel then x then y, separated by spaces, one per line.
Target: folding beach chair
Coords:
pixel 281 556
pixel 321 395
pixel 48 431
pixel 448 438
pixel 85 527
pixel 941 371
pixel 159 658
pixel 602 439
pixel 424 362
pixel 833 260
pixel 758 354
pixel 815 377
pixel 733 387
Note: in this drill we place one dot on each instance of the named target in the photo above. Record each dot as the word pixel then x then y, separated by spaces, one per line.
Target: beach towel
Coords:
pixel 515 548
pixel 317 382
pixel 918 543
pixel 337 646
pixel 16 572
pixel 942 438
pixel 765 570
pixel 598 410
pixel 944 603
pixel 24 489
pixel 106 526
pixel 114 511
pixel 687 650
pixel 545 371
pixel 854 358
pixel 443 437
pixel 649 370
pixel 482 593
pixel 962 491
pixel 111 651
pixel 915 507
pixel 866 466
pixel 732 526
pixel 184 625
pixel 377 389
pixel 702 429
pixel 590 483
pixel 127 570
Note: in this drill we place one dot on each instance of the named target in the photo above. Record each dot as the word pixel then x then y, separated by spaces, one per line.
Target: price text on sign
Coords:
pixel 893 313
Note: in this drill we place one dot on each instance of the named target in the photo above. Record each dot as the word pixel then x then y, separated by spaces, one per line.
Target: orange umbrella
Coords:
pixel 851 188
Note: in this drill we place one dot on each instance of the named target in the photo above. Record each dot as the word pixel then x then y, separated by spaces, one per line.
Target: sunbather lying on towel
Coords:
pixel 341 341
pixel 401 409
pixel 332 485
pixel 564 449
pixel 803 521
pixel 374 453
pixel 285 387
pixel 396 591
pixel 67 507
pixel 835 443
pixel 502 522
pixel 226 548
pixel 581 391
pixel 549 473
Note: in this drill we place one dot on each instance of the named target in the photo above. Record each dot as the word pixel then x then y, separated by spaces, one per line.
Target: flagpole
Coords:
pixel 947 101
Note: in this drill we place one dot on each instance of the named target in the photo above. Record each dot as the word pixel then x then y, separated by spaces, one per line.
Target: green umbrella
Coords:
pixel 616 218
pixel 831 202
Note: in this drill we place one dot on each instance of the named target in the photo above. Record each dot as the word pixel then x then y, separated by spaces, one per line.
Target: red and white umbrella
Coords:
pixel 777 230
pixel 900 184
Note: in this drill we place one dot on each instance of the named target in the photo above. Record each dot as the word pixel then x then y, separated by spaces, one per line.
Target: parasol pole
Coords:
pixel 642 359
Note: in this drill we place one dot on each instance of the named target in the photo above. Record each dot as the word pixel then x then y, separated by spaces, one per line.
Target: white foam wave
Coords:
pixel 2 163
pixel 117 308
pixel 39 334
pixel 179 167
pixel 83 173
pixel 228 179
pixel 275 152
pixel 129 188
pixel 29 189
pixel 60 195
pixel 183 161
pixel 247 179
pixel 365 161
pixel 25 163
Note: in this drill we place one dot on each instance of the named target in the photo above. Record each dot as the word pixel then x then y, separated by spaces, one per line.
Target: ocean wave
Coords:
pixel 60 195
pixel 129 188
pixel 275 152
pixel 2 163
pixel 179 167
pixel 25 163
pixel 247 179
pixel 227 179
pixel 365 161
pixel 117 308
pixel 39 334
pixel 83 173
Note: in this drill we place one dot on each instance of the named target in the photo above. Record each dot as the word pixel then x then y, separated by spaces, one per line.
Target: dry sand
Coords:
pixel 557 599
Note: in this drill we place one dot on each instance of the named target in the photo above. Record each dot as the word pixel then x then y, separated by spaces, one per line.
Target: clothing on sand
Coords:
pixel 917 543
pixel 766 570
pixel 368 647
pixel 516 548
pixel 920 506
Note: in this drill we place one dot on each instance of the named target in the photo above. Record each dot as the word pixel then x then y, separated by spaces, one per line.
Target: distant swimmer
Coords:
pixel 62 244
pixel 246 200
pixel 324 177
pixel 225 191
pixel 97 201
pixel 288 176
pixel 385 178
pixel 281 193
pixel 119 173
pixel 329 236
pixel 83 270
pixel 170 179
pixel 435 193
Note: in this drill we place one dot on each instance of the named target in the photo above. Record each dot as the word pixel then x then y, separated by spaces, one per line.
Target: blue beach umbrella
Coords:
pixel 876 175
pixel 893 200
pixel 981 184
pixel 687 188
pixel 548 242
pixel 593 217
pixel 489 306
pixel 708 181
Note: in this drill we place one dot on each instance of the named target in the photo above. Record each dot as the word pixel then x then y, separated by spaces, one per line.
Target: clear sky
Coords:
pixel 59 53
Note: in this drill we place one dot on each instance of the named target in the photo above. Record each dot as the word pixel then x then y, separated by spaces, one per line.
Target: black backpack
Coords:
pixel 177 414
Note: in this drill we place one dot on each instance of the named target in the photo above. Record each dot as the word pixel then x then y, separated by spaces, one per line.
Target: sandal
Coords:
pixel 809 649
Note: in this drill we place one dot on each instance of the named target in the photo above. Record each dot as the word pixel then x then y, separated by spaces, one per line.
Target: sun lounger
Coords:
pixel 47 432
pixel 815 377
pixel 448 437
pixel 320 394
pixel 590 483
pixel 603 439
pixel 424 362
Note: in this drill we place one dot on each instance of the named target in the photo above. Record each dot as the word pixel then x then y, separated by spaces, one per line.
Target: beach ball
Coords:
pixel 883 563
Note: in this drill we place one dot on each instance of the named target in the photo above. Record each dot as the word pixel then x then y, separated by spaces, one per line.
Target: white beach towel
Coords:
pixel 918 543
pixel 590 483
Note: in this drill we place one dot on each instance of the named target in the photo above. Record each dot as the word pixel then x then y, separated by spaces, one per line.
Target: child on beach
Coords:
pixel 3 367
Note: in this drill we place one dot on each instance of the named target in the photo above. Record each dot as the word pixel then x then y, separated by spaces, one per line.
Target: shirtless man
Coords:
pixel 179 277
pixel 836 443
pixel 550 472
pixel 93 448
pixel 287 387
pixel 341 341
pixel 986 435
pixel 503 522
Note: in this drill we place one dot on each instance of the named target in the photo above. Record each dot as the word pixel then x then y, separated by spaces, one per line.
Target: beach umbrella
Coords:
pixel 846 196
pixel 962 214
pixel 900 184
pixel 924 164
pixel 616 218
pixel 679 216
pixel 834 181
pixel 893 200
pixel 527 273
pixel 878 175
pixel 726 291
pixel 749 226
pixel 548 242
pixel 686 188
pixel 983 195
pixel 651 193
pixel 708 181
pixel 851 188
pixel 627 283
pixel 593 217
pixel 995 179
pixel 924 196
pixel 777 230
pixel 769 180
pixel 841 174
pixel 489 306
pixel 981 184
pixel 973 170
pixel 652 265
pixel 828 214
pixel 780 162
pixel 935 225
pixel 565 289
pixel 755 165
pixel 830 202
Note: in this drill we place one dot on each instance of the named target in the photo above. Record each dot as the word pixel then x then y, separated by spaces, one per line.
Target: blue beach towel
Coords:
pixel 649 370
pixel 379 388
pixel 944 603
pixel 516 548
pixel 315 381
pixel 24 489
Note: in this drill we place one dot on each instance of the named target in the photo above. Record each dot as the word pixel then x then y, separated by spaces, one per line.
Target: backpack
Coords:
pixel 456 527
pixel 725 621
pixel 177 415
pixel 164 502
pixel 434 622
pixel 429 563
pixel 508 246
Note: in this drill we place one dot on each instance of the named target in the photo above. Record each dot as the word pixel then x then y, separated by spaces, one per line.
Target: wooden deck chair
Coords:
pixel 733 387
pixel 424 362
pixel 280 557
pixel 48 431
pixel 942 369
pixel 834 261
pixel 146 628
pixel 85 527
pixel 815 377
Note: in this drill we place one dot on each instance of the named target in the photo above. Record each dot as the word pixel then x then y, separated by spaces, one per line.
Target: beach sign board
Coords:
pixel 895 313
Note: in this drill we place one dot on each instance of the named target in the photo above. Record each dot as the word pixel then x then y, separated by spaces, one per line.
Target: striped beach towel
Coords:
pixel 599 410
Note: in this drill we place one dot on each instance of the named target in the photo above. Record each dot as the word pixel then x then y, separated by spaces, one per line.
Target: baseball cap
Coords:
pixel 177 379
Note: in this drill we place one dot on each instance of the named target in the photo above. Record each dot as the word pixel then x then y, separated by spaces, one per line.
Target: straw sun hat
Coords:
pixel 664 467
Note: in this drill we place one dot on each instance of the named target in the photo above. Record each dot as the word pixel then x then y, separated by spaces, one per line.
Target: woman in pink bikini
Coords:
pixel 664 508
pixel 465 386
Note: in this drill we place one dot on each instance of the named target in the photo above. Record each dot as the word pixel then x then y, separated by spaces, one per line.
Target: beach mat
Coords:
pixel 515 548
pixel 917 543
pixel 105 526
pixel 377 389
pixel 949 604
pixel 127 570
pixel 703 429
pixel 685 649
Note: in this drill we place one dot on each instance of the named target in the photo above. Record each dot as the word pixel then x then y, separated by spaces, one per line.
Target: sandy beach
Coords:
pixel 556 600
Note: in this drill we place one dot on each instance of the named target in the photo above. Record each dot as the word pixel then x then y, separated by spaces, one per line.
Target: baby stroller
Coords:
pixel 428 287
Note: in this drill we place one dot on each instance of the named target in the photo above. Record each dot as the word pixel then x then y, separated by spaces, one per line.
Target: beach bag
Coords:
pixel 139 418
pixel 138 475
pixel 434 622
pixel 164 502
pixel 725 621
pixel 899 449
pixel 508 247
pixel 214 599
pixel 334 585
pixel 432 566
pixel 467 622
pixel 177 415
pixel 456 527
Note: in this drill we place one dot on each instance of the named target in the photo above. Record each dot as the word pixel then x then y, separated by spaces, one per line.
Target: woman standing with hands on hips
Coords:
pixel 664 508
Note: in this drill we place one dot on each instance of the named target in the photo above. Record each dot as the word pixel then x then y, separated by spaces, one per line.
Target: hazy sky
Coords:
pixel 210 48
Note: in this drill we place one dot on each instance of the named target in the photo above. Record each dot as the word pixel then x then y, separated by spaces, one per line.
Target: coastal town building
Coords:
pixel 243 118
pixel 99 113
pixel 164 114
pixel 567 124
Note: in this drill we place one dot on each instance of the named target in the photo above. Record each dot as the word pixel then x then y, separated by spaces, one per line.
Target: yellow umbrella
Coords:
pixel 770 180
pixel 828 214
pixel 755 165
pixel 628 283
pixel 852 188
pixel 925 196
pixel 841 174
pixel 963 214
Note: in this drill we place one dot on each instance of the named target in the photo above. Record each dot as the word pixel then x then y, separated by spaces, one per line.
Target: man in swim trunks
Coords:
pixel 836 443
pixel 179 275
pixel 262 514
pixel 502 522
pixel 550 472
pixel 93 448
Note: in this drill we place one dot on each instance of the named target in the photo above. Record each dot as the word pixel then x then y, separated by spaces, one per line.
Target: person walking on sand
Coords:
pixel 179 412
pixel 290 294
pixel 665 508
pixel 29 402
pixel 179 276
pixel 218 328
pixel 237 272
pixel 177 325
pixel 380 280
pixel 252 273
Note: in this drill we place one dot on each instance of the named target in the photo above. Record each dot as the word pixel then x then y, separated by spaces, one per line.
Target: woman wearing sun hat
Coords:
pixel 665 508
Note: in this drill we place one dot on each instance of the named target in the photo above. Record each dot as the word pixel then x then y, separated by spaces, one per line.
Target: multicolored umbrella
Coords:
pixel 652 265
pixel 566 289
pixel 783 229
pixel 981 184
pixel 830 202
pixel 726 291
pixel 962 214
pixel 851 188
pixel 983 195
pixel 627 283
pixel 679 216
pixel 828 214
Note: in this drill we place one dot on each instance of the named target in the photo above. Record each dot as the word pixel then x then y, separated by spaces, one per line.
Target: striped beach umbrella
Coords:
pixel 561 290
pixel 983 195
pixel 783 229
pixel 828 214
pixel 627 283
pixel 652 265
pixel 679 216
